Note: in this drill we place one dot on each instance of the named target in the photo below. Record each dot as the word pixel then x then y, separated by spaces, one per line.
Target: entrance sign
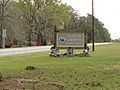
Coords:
pixel 65 40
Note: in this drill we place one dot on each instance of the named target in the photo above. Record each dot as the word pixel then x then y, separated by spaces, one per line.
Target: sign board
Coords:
pixel 74 40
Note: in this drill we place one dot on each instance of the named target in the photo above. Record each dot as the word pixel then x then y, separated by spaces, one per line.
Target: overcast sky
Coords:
pixel 106 11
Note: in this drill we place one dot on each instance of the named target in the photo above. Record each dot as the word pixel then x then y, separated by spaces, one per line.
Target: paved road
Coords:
pixel 14 51
pixel 90 44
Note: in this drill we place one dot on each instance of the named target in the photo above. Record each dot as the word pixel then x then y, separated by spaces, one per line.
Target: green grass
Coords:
pixel 100 71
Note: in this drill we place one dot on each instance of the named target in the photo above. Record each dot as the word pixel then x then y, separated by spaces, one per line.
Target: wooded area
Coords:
pixel 28 21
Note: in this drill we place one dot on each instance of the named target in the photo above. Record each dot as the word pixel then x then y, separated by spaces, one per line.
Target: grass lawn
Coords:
pixel 100 71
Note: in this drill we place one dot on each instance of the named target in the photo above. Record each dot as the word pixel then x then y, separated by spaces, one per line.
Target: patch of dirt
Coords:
pixel 30 68
pixel 1 77
pixel 90 84
pixel 117 67
pixel 10 85
pixel 28 84
pixel 93 83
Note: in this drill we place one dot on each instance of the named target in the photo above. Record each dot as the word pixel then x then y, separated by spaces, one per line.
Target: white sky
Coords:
pixel 106 11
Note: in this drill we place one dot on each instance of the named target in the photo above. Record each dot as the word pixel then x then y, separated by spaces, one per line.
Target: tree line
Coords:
pixel 81 23
pixel 34 20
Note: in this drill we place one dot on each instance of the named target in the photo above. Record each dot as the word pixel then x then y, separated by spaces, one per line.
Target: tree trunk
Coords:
pixel 29 39
pixel 39 39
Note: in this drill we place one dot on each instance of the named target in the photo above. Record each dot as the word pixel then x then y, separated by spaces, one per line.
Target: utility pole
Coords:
pixel 85 35
pixel 93 46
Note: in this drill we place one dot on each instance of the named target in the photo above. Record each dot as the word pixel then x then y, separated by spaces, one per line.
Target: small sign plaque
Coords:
pixel 74 40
